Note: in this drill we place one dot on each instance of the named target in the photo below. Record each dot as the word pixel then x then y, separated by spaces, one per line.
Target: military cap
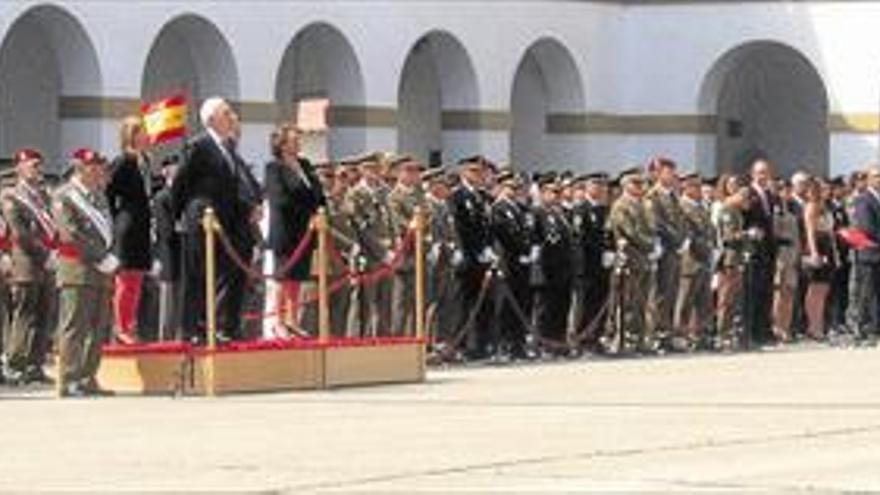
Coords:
pixel 404 159
pixel 87 156
pixel 434 174
pixel 710 181
pixel 690 176
pixel 26 154
pixel 473 159
pixel 371 158
pixel 322 165
pixel 838 181
pixel 509 177
pixel 594 177
pixel 549 180
pixel 629 173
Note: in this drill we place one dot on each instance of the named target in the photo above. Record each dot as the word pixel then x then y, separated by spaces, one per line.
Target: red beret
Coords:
pixel 26 154
pixel 85 155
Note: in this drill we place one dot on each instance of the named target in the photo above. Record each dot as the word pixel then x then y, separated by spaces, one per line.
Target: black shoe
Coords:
pixel 37 375
pixel 73 390
pixel 91 388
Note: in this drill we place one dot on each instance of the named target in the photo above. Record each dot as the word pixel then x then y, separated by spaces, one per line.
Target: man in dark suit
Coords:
pixel 866 217
pixel 168 254
pixel 758 221
pixel 214 175
pixel 469 205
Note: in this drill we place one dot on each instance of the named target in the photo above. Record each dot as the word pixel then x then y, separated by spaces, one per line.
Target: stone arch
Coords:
pixel 190 56
pixel 48 69
pixel 547 98
pixel 438 100
pixel 765 97
pixel 321 62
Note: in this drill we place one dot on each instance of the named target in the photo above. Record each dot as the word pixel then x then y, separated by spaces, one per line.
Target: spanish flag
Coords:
pixel 165 120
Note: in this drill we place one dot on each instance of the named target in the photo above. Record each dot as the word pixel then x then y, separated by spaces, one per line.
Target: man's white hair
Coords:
pixel 209 108
pixel 800 177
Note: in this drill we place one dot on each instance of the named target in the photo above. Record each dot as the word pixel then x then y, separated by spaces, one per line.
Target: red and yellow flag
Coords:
pixel 165 120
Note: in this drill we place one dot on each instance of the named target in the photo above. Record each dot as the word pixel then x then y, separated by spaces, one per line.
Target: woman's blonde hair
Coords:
pixel 130 127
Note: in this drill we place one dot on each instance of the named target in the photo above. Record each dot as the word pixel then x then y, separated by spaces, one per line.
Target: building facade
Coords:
pixel 543 84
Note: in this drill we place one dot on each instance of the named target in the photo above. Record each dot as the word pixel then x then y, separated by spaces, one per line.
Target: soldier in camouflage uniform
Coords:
pixel 32 231
pixel 85 269
pixel 366 204
pixel 693 312
pixel 442 311
pixel 404 199
pixel 667 223
pixel 732 236
pixel 634 240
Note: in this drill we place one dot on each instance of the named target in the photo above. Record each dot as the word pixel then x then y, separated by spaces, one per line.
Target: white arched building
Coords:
pixel 563 84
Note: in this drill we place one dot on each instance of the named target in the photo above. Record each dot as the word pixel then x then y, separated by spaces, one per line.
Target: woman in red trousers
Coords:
pixel 128 194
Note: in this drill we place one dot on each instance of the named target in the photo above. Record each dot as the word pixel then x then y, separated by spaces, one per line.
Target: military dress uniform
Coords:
pixel 667 222
pixel 403 202
pixel 554 294
pixel 592 243
pixel 469 207
pixel 634 239
pixel 693 311
pixel 442 313
pixel 85 268
pixel 513 242
pixel 32 233
pixel 369 312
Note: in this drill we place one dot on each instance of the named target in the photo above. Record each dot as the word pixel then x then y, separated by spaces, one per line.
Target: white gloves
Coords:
pixel 457 257
pixel 685 246
pixel 108 265
pixel 657 252
pixel 434 253
pixel 535 253
pixel 716 256
pixel 608 258
pixel 488 256
pixel 51 262
pixel 156 268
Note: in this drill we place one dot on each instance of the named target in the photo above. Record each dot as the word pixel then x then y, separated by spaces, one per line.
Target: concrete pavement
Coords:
pixel 803 418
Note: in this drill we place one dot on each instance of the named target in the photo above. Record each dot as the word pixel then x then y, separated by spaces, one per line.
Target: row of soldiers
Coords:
pixel 648 261
pixel 520 265
pixel 57 268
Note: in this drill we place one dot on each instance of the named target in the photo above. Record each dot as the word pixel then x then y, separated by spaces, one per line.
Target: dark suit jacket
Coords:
pixel 291 206
pixel 866 217
pixel 168 244
pixel 757 216
pixel 207 178
pixel 512 236
pixel 130 206
pixel 554 234
pixel 470 211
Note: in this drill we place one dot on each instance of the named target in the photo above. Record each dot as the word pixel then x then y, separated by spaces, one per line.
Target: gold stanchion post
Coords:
pixel 420 286
pixel 209 224
pixel 419 226
pixel 322 226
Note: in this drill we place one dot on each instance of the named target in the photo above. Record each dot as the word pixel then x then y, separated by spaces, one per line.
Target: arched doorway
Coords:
pixel 47 61
pixel 438 98
pixel 547 93
pixel 767 97
pixel 190 56
pixel 321 63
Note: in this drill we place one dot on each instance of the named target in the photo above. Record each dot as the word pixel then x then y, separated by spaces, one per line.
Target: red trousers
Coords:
pixel 126 299
pixel 287 303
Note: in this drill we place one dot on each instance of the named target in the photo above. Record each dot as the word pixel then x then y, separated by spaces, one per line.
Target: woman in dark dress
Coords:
pixel 128 195
pixel 820 258
pixel 294 193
